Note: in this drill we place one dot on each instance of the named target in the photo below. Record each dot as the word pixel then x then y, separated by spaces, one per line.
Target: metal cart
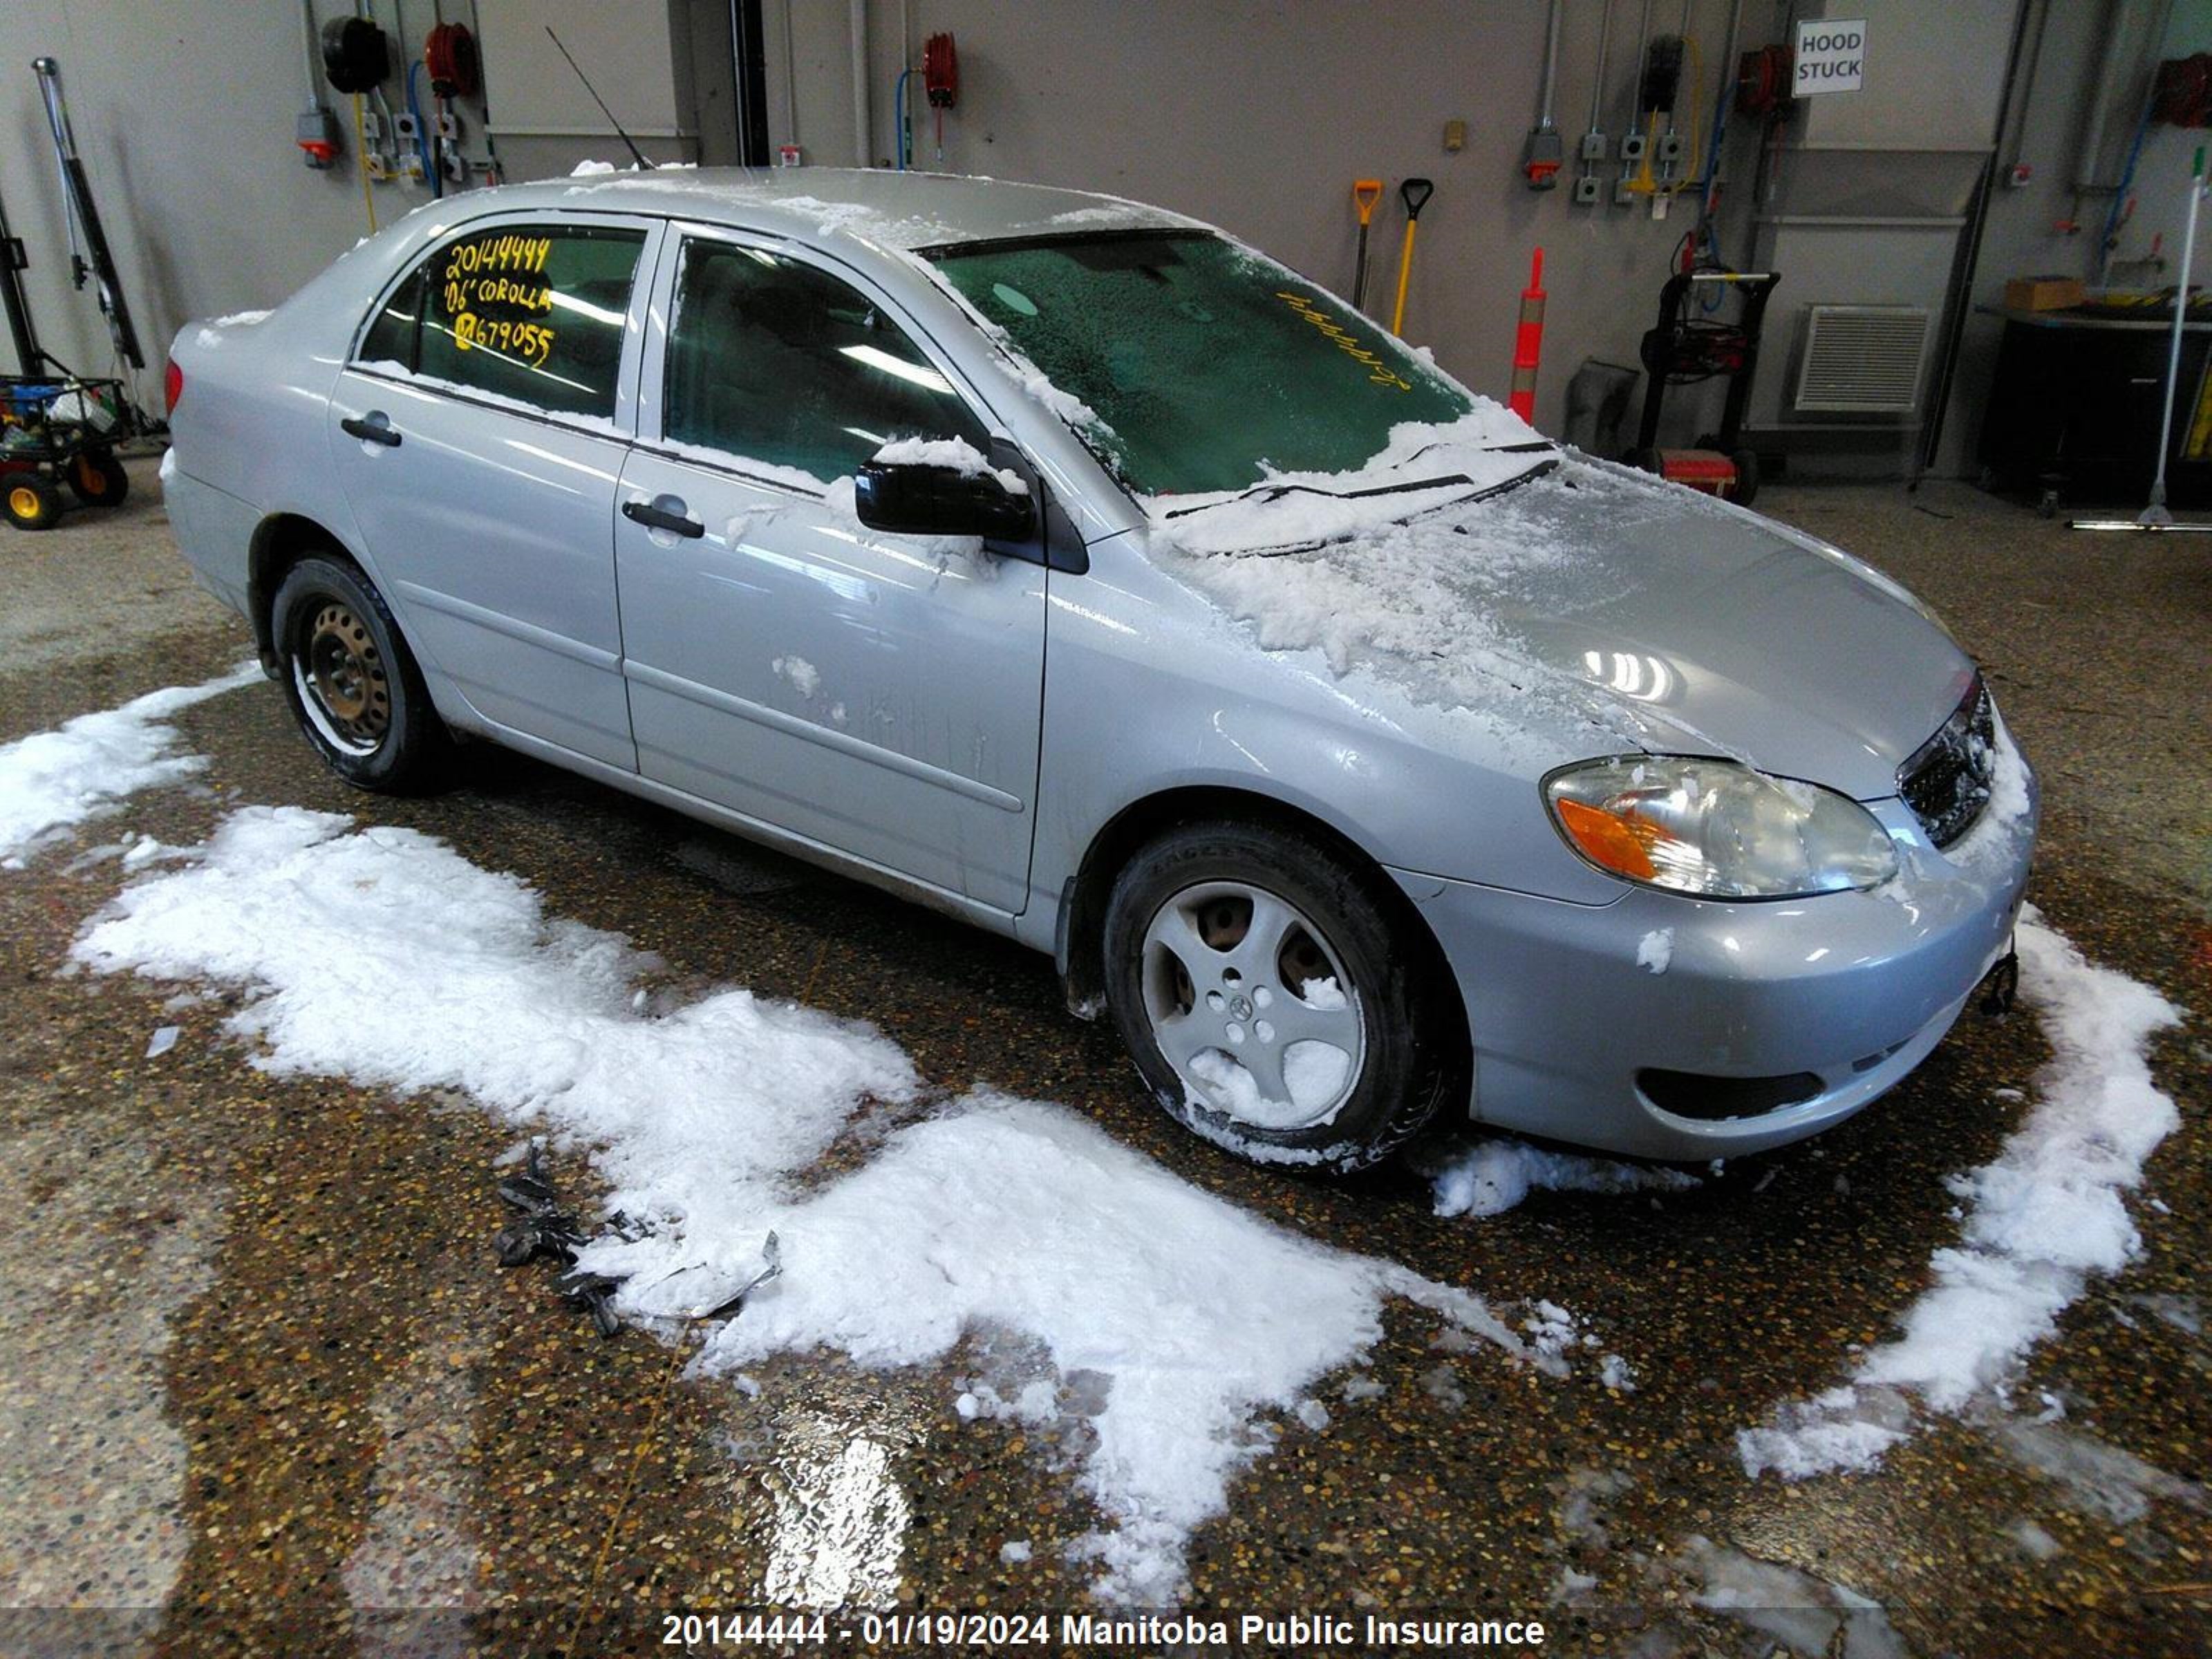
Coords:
pixel 57 440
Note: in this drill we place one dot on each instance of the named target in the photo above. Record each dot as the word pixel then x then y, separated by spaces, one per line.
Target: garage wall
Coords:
pixel 2049 225
pixel 1254 114
pixel 1257 115
pixel 185 114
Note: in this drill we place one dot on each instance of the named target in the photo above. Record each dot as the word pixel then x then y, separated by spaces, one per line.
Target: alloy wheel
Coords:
pixel 1251 1006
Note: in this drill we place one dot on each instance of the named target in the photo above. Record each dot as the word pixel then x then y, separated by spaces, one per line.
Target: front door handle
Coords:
pixel 657 518
pixel 374 430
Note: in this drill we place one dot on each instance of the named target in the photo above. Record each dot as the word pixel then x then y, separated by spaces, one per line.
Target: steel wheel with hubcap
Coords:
pixel 339 674
pixel 352 685
pixel 1265 988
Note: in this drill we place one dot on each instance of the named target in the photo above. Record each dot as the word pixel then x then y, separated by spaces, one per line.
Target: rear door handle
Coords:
pixel 656 518
pixel 374 430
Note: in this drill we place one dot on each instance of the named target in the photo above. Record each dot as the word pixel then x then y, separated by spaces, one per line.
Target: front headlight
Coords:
pixel 1717 829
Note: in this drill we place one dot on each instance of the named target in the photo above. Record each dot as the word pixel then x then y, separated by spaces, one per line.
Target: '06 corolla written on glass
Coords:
pixel 1066 565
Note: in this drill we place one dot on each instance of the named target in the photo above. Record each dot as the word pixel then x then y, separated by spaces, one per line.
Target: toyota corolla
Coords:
pixel 1066 565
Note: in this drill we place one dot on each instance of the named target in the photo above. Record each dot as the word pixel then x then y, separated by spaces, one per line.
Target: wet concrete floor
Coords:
pixel 268 1392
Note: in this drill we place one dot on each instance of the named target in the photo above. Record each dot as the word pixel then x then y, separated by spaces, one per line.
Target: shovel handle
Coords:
pixel 1416 193
pixel 1365 193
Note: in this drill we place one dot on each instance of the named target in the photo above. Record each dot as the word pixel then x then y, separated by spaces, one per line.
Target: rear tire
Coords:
pixel 351 682
pixel 1219 940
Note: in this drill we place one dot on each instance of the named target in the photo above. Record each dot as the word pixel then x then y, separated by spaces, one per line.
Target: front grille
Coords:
pixel 1947 780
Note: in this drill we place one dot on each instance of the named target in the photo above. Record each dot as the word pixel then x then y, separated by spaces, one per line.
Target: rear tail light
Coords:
pixel 173 385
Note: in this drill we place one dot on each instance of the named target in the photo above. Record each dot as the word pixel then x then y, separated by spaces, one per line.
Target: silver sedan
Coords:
pixel 1063 564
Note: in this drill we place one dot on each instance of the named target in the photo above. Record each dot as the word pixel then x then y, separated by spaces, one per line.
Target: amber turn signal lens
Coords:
pixel 1608 841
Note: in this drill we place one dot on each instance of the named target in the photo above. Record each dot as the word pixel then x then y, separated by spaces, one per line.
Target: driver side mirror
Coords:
pixel 908 499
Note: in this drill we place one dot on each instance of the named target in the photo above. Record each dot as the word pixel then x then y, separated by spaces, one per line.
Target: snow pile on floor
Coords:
pixel 2046 1214
pixel 1011 1214
pixel 53 779
pixel 995 1214
pixel 453 977
pixel 1489 1177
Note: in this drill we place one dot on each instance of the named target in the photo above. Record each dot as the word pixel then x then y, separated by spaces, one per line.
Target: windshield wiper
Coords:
pixel 1276 492
pixel 1444 481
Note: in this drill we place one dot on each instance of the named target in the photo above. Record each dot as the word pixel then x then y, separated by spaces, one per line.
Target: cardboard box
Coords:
pixel 2045 293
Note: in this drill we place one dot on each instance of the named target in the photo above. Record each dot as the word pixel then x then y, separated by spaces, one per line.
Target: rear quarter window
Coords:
pixel 534 314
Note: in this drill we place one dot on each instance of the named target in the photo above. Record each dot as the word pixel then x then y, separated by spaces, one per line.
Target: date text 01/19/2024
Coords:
pixel 892 1631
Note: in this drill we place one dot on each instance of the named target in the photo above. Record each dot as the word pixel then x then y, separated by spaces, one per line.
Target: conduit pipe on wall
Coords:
pixel 314 55
pixel 863 120
pixel 2125 47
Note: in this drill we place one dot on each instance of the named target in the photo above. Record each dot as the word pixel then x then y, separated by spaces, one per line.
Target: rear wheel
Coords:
pixel 97 478
pixel 350 681
pixel 1267 993
pixel 30 501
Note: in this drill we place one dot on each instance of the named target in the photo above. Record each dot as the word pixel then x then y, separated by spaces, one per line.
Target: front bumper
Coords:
pixel 1854 989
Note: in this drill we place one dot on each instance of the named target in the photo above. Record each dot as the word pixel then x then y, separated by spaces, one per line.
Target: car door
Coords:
pixel 478 431
pixel 878 694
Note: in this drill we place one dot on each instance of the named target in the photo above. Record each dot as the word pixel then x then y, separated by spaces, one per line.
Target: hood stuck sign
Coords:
pixel 1830 55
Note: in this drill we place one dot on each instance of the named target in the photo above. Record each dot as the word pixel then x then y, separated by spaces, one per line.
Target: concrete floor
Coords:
pixel 267 1391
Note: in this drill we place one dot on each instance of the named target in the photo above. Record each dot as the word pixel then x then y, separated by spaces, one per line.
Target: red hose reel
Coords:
pixel 940 71
pixel 449 52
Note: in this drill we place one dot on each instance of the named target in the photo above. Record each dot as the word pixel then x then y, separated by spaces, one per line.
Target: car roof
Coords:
pixel 891 208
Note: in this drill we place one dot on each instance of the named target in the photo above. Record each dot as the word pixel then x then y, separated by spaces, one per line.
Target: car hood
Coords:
pixel 1591 596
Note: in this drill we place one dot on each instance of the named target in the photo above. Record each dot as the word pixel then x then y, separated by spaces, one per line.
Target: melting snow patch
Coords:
pixel 1807 1615
pixel 53 779
pixel 2039 1220
pixel 1181 1317
pixel 2097 1478
pixel 1014 1550
pixel 805 678
pixel 1491 1176
pixel 163 1040
pixel 1655 950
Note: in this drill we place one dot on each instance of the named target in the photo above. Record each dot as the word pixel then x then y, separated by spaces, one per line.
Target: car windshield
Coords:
pixel 1208 367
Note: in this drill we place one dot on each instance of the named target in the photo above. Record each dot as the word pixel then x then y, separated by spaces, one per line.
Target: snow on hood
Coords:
pixel 1563 594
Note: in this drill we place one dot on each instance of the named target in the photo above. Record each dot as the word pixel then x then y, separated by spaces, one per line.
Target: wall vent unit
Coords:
pixel 1861 360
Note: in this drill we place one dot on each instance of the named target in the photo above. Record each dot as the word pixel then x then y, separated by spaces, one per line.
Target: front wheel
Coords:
pixel 347 674
pixel 1271 1000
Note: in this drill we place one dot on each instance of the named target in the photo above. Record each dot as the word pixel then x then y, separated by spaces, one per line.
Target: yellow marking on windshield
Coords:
pixel 1378 371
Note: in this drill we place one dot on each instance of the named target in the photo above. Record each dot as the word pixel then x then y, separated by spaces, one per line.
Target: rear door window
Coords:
pixel 773 360
pixel 530 313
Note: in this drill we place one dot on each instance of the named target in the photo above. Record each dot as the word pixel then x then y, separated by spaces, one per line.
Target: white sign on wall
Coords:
pixel 1830 55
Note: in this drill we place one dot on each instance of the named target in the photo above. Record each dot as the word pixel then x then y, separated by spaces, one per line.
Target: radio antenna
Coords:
pixel 637 154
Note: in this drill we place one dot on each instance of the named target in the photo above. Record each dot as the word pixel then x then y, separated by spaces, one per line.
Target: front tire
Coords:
pixel 350 680
pixel 1272 1002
